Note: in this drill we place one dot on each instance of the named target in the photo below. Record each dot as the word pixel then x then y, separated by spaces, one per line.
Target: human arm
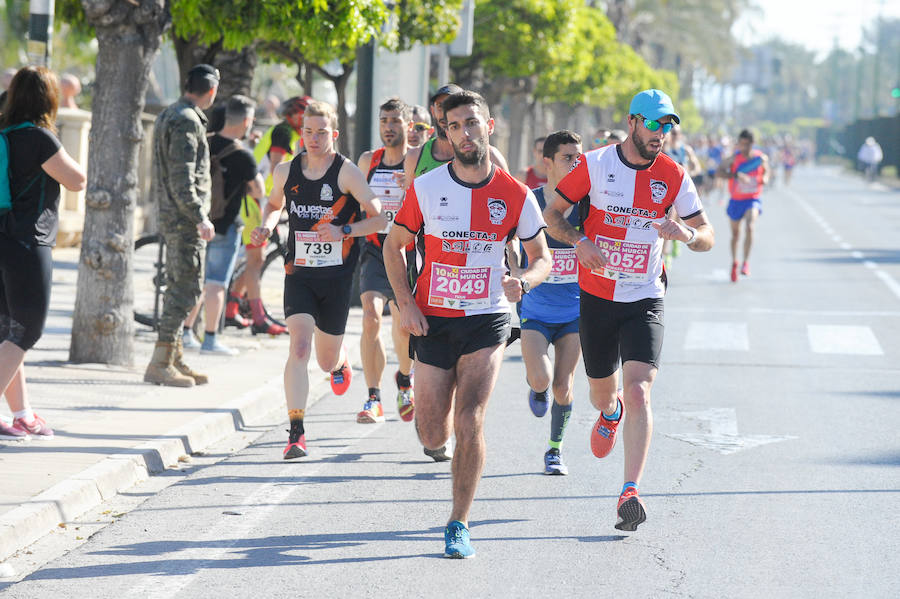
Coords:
pixel 62 168
pixel 498 159
pixel 539 263
pixel 256 187
pixel 694 167
pixel 588 254
pixel 409 166
pixel 352 180
pixel 272 210
pixel 766 170
pixel 393 250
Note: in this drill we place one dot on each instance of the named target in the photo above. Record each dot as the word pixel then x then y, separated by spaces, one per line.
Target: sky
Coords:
pixel 813 24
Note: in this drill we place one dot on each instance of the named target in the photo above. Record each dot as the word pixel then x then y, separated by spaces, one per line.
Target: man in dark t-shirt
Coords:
pixel 240 178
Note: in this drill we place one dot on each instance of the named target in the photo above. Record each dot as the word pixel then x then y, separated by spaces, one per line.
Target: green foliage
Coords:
pixel 425 21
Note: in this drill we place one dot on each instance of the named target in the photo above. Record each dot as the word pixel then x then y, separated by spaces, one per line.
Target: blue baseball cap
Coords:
pixel 654 105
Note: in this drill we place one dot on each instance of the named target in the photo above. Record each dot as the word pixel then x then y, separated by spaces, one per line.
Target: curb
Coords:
pixel 116 473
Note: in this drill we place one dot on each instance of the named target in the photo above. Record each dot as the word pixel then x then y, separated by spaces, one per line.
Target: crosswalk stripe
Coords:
pixel 843 339
pixel 727 336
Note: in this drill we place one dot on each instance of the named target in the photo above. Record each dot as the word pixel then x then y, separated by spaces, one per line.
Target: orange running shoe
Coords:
pixel 340 378
pixel 372 412
pixel 603 435
pixel 630 510
pixel 734 272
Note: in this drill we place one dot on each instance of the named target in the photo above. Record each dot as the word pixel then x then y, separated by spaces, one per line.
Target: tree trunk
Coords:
pixel 518 115
pixel 345 141
pixel 129 37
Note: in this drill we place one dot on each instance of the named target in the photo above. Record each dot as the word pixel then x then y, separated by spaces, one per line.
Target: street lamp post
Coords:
pixel 40 31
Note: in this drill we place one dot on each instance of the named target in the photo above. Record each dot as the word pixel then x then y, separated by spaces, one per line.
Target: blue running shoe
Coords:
pixel 456 541
pixel 538 403
pixel 553 463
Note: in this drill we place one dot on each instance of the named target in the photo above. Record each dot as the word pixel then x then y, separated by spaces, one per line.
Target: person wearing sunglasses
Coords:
pixel 629 188
pixel 420 127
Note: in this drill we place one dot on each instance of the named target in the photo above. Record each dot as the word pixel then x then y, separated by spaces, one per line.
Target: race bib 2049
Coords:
pixel 459 287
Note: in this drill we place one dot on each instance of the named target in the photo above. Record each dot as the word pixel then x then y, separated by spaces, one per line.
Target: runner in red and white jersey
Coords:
pixel 630 187
pixel 624 203
pixel 465 212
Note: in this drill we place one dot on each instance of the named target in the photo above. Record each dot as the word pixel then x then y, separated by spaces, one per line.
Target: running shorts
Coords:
pixel 326 300
pixel 550 330
pixel 738 208
pixel 448 339
pixel 613 331
pixel 372 274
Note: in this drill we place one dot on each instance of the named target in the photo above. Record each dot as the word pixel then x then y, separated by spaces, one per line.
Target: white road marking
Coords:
pixel 727 336
pixel 782 311
pixel 884 276
pixel 721 432
pixel 843 339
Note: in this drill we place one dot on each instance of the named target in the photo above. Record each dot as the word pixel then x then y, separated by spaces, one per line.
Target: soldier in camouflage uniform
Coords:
pixel 182 186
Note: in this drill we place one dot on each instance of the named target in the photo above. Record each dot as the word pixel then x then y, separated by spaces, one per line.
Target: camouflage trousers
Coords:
pixel 184 277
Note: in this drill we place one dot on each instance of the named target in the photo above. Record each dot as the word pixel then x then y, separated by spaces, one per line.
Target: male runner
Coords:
pixel 536 174
pixel 384 173
pixel 438 150
pixel 325 191
pixel 549 313
pixel 464 212
pixel 631 187
pixel 435 152
pixel 747 170
pixel 420 127
pixel 277 145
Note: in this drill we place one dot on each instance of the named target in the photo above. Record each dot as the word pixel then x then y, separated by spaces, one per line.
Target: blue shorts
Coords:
pixel 550 330
pixel 221 255
pixel 738 208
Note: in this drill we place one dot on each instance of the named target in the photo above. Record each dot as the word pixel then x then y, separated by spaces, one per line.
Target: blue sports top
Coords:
pixel 555 301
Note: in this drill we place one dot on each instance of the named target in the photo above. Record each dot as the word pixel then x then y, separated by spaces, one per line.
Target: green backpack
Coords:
pixel 5 192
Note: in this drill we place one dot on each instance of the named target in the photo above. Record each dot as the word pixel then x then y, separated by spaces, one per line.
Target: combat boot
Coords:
pixel 184 369
pixel 161 371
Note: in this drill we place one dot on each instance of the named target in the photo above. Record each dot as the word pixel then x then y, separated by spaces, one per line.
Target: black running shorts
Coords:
pixel 450 338
pixel 612 331
pixel 327 300
pixel 372 274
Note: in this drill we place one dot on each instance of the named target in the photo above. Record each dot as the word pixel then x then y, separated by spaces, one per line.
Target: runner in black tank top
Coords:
pixel 324 194
pixel 311 204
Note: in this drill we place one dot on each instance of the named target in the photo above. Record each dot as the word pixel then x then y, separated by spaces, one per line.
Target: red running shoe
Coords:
pixel 233 316
pixel 745 269
pixel 406 406
pixel 295 449
pixel 630 510
pixel 268 328
pixel 340 378
pixel 372 412
pixel 734 272
pixel 38 428
pixel 603 435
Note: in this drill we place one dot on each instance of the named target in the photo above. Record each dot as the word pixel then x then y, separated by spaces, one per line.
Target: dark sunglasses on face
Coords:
pixel 652 125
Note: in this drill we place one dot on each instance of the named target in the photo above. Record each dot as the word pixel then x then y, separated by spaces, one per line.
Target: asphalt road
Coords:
pixel 774 470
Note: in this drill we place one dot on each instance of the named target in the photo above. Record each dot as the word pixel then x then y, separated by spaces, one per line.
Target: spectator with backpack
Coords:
pixel 33 164
pixel 233 174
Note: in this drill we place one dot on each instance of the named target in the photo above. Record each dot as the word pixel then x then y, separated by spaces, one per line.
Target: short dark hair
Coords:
pixel 466 98
pixel 238 108
pixel 201 78
pixel 746 134
pixel 559 138
pixel 395 103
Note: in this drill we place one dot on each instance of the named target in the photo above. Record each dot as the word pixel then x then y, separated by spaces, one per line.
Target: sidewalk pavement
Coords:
pixel 113 430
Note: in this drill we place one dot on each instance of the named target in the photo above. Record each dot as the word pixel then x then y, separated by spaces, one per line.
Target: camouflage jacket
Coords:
pixel 181 180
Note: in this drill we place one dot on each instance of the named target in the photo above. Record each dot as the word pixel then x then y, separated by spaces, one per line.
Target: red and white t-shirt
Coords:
pixel 465 228
pixel 624 200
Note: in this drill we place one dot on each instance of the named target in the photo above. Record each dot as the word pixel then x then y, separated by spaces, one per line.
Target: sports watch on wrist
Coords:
pixel 346 230
pixel 526 286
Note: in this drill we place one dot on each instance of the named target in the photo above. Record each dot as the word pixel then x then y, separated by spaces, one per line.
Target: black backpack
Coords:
pixel 217 176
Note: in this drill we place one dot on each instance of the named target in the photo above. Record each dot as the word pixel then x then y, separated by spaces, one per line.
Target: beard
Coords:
pixel 398 139
pixel 473 158
pixel 645 152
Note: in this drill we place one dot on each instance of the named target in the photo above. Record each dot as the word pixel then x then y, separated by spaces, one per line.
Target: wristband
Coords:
pixel 583 238
pixel 693 235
